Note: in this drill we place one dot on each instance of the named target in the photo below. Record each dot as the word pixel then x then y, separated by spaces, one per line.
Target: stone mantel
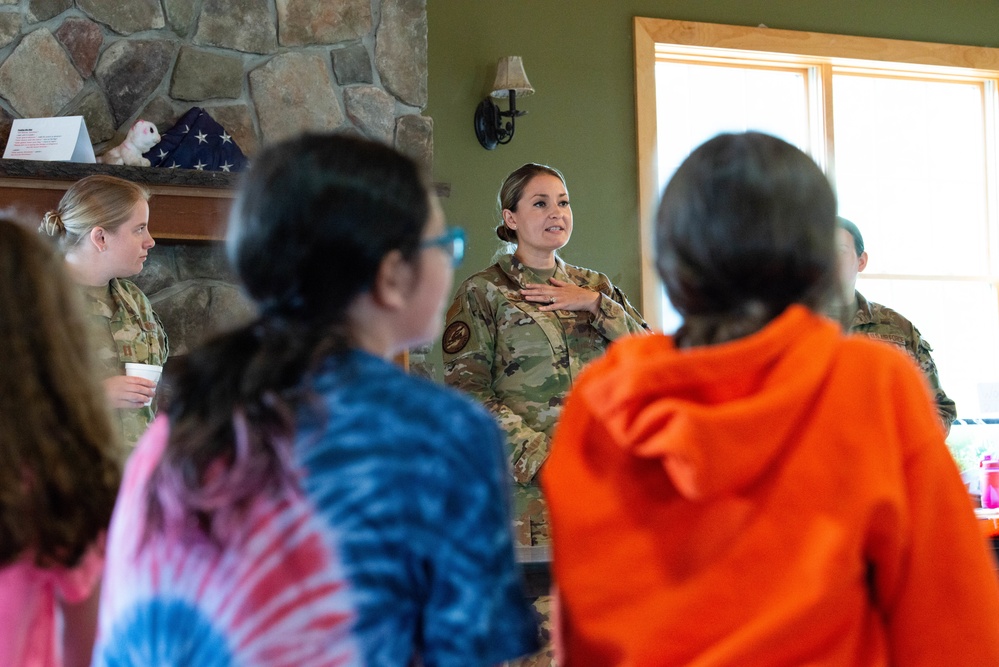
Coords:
pixel 187 205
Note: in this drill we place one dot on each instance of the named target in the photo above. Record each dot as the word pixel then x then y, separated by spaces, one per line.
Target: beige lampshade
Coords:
pixel 510 76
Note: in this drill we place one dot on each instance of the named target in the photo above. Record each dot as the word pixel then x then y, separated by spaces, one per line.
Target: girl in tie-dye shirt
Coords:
pixel 306 502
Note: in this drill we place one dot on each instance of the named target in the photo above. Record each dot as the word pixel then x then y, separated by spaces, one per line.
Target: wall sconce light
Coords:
pixel 510 81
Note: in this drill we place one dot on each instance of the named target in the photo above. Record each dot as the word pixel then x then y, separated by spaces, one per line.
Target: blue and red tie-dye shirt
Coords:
pixel 394 550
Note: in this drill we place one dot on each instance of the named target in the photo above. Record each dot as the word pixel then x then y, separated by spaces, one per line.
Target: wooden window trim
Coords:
pixel 812 49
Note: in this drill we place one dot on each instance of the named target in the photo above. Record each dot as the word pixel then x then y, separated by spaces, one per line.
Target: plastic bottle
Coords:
pixel 990 481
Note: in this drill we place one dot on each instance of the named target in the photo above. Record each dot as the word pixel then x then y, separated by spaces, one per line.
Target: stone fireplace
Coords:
pixel 186 276
pixel 264 69
pixel 193 292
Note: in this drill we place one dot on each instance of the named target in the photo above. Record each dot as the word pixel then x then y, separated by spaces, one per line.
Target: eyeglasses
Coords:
pixel 452 242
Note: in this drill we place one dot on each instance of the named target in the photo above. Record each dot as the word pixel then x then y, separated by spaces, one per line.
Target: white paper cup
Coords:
pixel 148 371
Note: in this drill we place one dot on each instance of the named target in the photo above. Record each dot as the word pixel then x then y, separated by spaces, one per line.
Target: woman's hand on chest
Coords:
pixel 561 295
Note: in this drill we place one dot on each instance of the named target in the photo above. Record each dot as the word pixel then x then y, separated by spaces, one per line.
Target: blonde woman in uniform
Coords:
pixel 102 228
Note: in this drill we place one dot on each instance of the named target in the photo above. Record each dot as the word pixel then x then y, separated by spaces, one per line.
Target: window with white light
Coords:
pixel 906 132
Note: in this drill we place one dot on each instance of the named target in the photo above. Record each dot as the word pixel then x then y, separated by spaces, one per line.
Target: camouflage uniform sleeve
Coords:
pixel 139 336
pixel 946 407
pixel 164 339
pixel 469 344
pixel 141 330
pixel 616 317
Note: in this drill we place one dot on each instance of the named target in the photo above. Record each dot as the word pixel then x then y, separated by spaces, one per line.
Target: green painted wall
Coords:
pixel 578 55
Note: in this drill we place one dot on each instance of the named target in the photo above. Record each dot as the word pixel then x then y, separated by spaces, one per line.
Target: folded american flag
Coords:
pixel 197 141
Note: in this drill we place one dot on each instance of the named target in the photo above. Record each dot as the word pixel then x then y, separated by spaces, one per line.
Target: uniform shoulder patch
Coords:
pixel 455 337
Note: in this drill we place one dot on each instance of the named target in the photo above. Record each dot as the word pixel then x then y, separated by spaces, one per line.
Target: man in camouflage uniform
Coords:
pixel 520 361
pixel 882 323
pixel 126 330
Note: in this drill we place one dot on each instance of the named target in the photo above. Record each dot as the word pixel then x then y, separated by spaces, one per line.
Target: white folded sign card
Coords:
pixel 58 139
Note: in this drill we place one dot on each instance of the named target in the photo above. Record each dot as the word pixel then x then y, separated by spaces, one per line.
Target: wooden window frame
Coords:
pixel 810 49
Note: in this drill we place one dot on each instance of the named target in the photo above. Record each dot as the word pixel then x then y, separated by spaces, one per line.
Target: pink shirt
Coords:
pixel 28 595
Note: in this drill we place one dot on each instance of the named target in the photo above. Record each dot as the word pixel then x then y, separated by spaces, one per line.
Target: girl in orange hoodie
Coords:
pixel 759 488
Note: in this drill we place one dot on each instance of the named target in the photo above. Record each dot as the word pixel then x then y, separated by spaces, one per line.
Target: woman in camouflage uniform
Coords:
pixel 520 331
pixel 102 225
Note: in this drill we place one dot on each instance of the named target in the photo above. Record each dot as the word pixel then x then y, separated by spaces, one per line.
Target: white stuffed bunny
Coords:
pixel 142 136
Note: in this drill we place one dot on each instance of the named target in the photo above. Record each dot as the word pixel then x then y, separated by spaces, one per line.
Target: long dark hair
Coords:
pixel 60 459
pixel 314 218
pixel 746 227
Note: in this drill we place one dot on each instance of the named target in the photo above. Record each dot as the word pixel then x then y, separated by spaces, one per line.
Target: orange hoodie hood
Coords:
pixel 716 415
